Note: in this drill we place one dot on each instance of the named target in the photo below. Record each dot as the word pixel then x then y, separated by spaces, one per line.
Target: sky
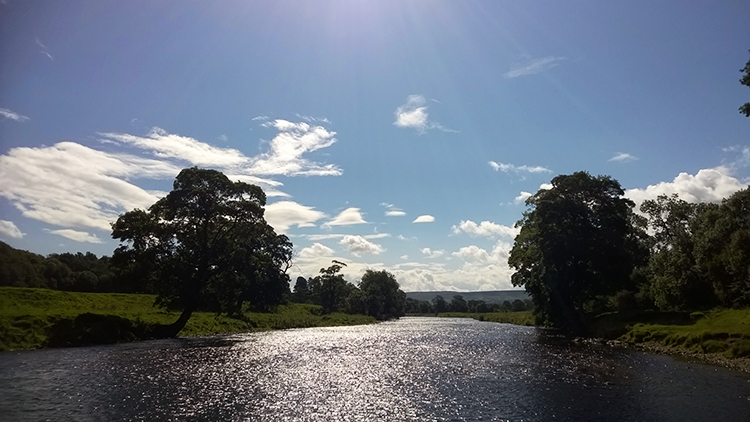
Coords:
pixel 396 135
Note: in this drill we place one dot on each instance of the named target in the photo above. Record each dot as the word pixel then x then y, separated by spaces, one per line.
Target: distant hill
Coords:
pixel 496 296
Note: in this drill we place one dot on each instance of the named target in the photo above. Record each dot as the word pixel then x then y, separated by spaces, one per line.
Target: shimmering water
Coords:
pixel 413 369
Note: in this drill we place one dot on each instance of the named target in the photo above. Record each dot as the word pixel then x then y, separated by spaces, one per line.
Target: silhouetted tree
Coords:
pixel 206 246
pixel 579 240
pixel 381 295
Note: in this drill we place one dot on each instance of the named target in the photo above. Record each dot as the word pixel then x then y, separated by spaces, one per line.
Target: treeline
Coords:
pixel 583 250
pixel 378 294
pixel 77 272
pixel 458 304
pixel 699 256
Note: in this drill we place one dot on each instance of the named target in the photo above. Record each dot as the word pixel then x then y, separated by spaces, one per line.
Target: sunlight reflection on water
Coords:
pixel 412 369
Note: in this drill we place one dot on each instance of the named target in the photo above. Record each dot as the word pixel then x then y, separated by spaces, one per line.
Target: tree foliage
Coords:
pixel 676 279
pixel 578 241
pixel 381 295
pixel 723 249
pixel 745 80
pixel 206 246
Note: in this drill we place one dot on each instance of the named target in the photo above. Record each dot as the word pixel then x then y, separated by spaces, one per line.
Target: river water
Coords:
pixel 421 369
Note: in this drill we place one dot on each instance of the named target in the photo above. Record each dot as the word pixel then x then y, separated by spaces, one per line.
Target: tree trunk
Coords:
pixel 171 330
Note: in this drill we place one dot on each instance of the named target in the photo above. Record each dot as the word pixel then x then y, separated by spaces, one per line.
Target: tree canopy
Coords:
pixel 381 295
pixel 579 240
pixel 745 80
pixel 205 246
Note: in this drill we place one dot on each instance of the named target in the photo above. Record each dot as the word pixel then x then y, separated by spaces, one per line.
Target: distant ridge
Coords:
pixel 495 296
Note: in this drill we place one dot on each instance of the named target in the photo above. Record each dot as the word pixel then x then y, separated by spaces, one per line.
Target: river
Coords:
pixel 421 369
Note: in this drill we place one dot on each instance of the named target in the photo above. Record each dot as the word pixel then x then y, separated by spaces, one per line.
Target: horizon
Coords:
pixel 389 135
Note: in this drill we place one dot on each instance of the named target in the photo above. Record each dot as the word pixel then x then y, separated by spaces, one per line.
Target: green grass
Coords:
pixel 517 318
pixel 722 331
pixel 34 318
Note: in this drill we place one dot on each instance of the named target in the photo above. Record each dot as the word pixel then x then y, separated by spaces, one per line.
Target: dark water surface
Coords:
pixel 412 369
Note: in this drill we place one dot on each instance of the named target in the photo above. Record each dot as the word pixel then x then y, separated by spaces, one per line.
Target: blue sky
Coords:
pixel 397 135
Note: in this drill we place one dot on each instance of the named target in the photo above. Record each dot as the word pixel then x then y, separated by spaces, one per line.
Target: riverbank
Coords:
pixel 720 337
pixel 37 318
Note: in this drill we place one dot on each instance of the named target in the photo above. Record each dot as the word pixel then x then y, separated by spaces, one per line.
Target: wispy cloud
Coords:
pixel 184 148
pixel 392 211
pixel 358 245
pixel 9 228
pixel 424 219
pixel 623 157
pixel 533 66
pixel 348 217
pixel 44 50
pixel 414 115
pixel 311 119
pixel 78 236
pixel 73 186
pixel 286 150
pixel 513 169
pixel 12 115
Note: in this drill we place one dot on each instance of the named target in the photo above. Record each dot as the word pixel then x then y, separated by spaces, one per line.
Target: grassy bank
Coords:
pixel 517 318
pixel 725 332
pixel 34 318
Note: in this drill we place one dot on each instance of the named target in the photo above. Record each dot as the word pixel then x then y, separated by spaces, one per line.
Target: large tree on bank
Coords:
pixel 205 246
pixel 579 240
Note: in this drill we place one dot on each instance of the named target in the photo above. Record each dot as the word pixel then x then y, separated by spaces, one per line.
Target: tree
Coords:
pixel 206 246
pixel 439 304
pixel 745 80
pixel 676 280
pixel 579 240
pixel 723 249
pixel 329 289
pixel 381 295
pixel 301 290
pixel 458 304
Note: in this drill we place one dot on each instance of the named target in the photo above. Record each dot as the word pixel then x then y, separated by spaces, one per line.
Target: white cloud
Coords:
pixel 429 253
pixel 377 235
pixel 392 211
pixel 12 115
pixel 286 149
pixel 623 157
pixel 71 185
pixel 78 236
pixel 9 228
pixel 166 145
pixel 485 228
pixel 348 217
pixel 358 245
pixel 45 50
pixel 315 251
pixel 532 67
pixel 709 185
pixel 284 214
pixel 268 185
pixel 510 168
pixel 414 115
pixel 522 197
pixel 312 119
pixel 424 219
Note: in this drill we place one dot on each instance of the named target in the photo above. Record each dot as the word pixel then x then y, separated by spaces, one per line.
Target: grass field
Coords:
pixel 724 331
pixel 34 318
pixel 517 318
